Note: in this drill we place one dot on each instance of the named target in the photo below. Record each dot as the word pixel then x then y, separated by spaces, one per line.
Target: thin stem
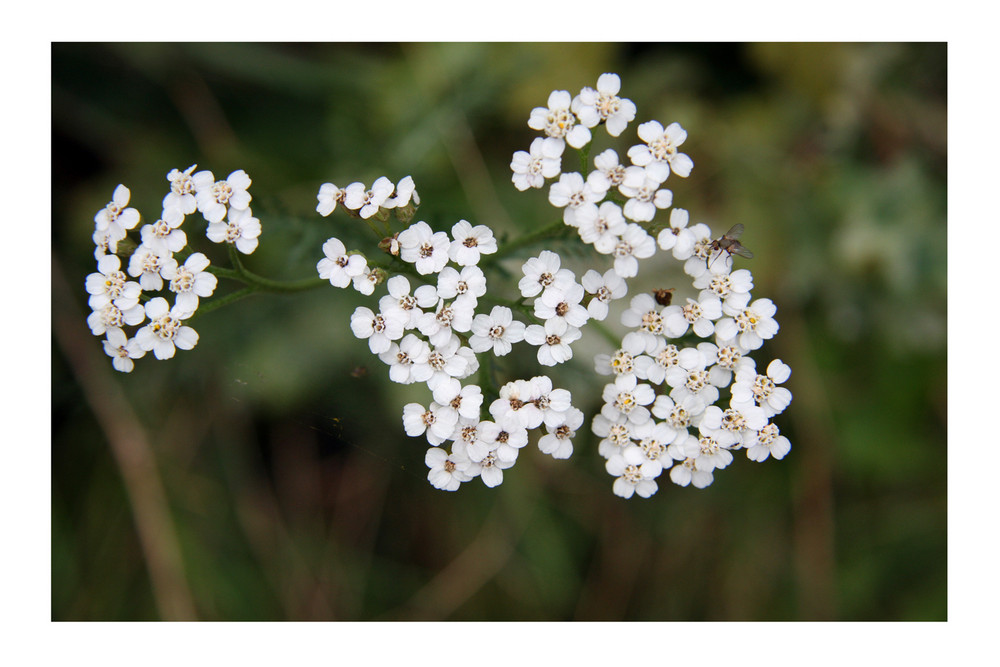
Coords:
pixel 605 332
pixel 225 300
pixel 552 230
pixel 260 283
pixel 584 154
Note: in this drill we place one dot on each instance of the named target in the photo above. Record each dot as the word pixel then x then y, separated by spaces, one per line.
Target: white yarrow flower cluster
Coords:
pixel 682 392
pixel 117 302
pixel 660 411
pixel 370 202
pixel 432 335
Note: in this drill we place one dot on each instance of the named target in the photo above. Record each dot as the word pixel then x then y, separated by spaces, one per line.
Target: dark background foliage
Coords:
pixel 257 477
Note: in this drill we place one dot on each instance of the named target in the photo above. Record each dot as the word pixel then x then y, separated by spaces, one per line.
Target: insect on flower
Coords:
pixel 663 296
pixel 728 243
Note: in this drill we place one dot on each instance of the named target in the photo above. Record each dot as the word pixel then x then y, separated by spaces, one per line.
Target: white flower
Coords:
pixel 404 193
pixel 714 446
pixel 563 304
pixel 242 230
pixel 603 105
pixel 727 359
pixel 146 264
pixel 557 121
pixel 472 360
pixel 634 244
pixel 182 192
pixel 117 216
pixel 621 362
pixel 122 350
pixel 190 281
pixel 644 193
pixel 467 430
pixel 367 202
pixel 625 398
pixel 379 328
pixel 571 192
pixel 469 282
pixel 399 297
pixel 553 340
pixel 766 442
pixel 678 238
pixel 750 327
pixel 661 148
pixel 448 317
pixel 163 236
pixel 437 423
pixel 609 171
pixel 699 315
pixel 654 438
pixel 450 393
pixel 552 402
pixel 605 289
pixel 515 408
pixel 447 361
pixel 110 285
pixel 643 315
pixel 166 330
pixel 328 197
pixel 741 422
pixel 470 243
pixel 103 243
pixel 214 197
pixel 690 378
pixel 542 162
pixel 750 388
pixel 686 472
pixel 543 272
pixel 365 282
pixel 732 288
pixel 426 249
pixel 615 435
pixel 338 267
pixel 654 367
pixel 490 468
pixel 697 263
pixel 112 317
pixel 446 470
pixel 634 473
pixel 601 226
pixel 408 360
pixel 558 441
pixel 498 331
pixel 680 415
pixel 503 441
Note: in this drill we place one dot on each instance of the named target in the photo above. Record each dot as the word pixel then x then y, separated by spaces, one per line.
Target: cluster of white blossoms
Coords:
pixel 664 411
pixel 160 263
pixel 431 334
pixel 376 201
pixel 685 393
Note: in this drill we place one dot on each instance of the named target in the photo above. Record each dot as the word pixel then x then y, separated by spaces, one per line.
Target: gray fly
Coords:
pixel 728 243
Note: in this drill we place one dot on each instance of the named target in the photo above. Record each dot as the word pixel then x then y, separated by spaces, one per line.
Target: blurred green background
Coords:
pixel 257 477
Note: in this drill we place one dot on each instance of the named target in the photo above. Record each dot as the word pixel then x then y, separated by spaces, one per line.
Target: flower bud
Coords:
pixel 390 245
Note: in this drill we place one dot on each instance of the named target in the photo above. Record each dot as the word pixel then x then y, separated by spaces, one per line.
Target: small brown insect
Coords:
pixel 663 296
pixel 728 243
pixel 359 371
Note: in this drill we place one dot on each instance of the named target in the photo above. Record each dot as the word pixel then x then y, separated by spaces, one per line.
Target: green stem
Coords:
pixel 225 300
pixel 260 283
pixel 605 332
pixel 554 229
pixel 584 154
